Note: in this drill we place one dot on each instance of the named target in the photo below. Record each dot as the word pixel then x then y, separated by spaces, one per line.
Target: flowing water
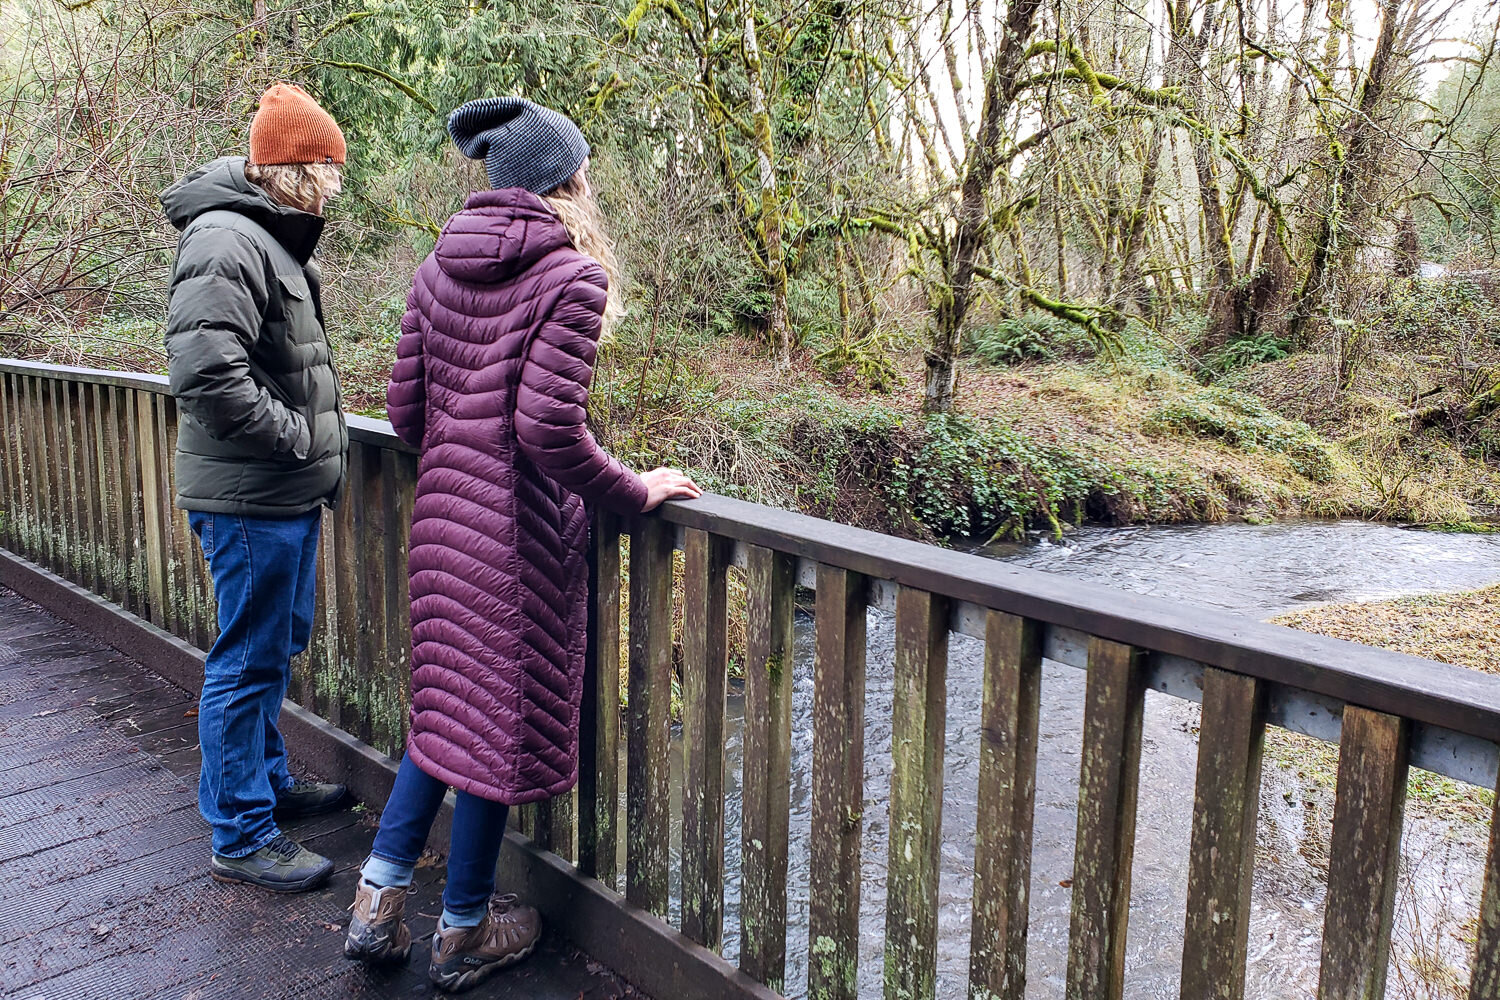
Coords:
pixel 1253 570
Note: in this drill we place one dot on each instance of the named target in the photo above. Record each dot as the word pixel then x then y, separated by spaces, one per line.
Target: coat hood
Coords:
pixel 221 186
pixel 499 235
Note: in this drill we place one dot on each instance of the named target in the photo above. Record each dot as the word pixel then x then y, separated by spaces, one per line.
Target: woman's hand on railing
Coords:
pixel 668 484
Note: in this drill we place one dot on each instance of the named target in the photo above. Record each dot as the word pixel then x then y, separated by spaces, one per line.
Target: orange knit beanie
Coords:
pixel 290 127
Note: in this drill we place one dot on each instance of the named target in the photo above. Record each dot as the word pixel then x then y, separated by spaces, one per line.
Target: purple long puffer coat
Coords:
pixel 491 381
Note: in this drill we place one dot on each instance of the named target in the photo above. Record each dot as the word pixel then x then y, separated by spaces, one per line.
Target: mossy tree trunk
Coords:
pixel 770 224
pixel 1217 247
pixel 1356 153
pixel 972 226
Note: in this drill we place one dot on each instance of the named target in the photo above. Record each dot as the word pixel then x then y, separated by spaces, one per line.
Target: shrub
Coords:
pixel 1245 352
pixel 1034 336
pixel 1244 422
pixel 1451 310
pixel 946 477
pixel 971 477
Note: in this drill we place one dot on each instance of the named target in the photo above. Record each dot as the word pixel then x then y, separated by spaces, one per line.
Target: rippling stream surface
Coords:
pixel 1257 571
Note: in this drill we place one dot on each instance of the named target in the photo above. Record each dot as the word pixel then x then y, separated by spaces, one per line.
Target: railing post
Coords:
pixel 1221 863
pixel 1007 798
pixel 18 496
pixel 705 667
pixel 599 721
pixel 1108 786
pixel 46 466
pixel 60 461
pixel 838 784
pixel 22 509
pixel 42 437
pixel 555 825
pixel 21 406
pixel 9 494
pixel 178 612
pixel 37 466
pixel 117 502
pixel 28 540
pixel 770 580
pixel 156 593
pixel 1484 982
pixel 112 533
pixel 87 484
pixel 319 678
pixel 523 820
pixel 917 733
pixel 137 577
pixel 91 447
pixel 74 561
pixel 349 570
pixel 200 578
pixel 193 568
pixel 401 479
pixel 648 795
pixel 382 701
pixel 1363 855
pixel 541 827
pixel 112 504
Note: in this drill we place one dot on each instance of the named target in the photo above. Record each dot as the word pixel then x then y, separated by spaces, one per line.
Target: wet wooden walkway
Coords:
pixel 104 891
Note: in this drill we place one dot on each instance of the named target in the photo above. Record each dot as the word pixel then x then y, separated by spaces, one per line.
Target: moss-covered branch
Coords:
pixel 380 74
pixel 1098 84
pixel 1089 317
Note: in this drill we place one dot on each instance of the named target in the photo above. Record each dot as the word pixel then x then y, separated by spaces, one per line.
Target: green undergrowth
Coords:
pixel 1030 337
pixel 1243 422
pixel 868 463
pixel 1039 446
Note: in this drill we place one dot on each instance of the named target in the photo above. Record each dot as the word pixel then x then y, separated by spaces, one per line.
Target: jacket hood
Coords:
pixel 221 186
pixel 498 235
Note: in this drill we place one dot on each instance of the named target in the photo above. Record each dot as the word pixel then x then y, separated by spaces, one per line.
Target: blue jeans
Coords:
pixel 478 830
pixel 265 574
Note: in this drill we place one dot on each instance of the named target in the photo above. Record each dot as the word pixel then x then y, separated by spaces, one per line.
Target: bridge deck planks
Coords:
pixel 104 859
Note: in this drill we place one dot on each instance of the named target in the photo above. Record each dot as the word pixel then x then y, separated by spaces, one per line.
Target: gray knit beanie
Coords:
pixel 522 144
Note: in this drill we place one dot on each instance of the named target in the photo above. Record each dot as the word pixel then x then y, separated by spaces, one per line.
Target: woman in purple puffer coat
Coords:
pixel 491 382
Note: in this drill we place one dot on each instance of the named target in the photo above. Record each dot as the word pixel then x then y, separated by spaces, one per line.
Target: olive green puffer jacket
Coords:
pixel 261 431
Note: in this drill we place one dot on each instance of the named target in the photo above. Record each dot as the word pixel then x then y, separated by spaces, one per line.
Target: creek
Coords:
pixel 1258 571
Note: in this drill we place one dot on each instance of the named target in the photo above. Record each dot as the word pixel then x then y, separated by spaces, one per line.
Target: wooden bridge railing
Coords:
pixel 85 469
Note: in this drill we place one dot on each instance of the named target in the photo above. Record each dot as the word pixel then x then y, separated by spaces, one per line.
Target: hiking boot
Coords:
pixel 308 798
pixel 465 956
pixel 283 865
pixel 377 932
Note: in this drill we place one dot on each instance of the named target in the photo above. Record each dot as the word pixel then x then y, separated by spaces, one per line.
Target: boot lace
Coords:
pixel 283 846
pixel 505 931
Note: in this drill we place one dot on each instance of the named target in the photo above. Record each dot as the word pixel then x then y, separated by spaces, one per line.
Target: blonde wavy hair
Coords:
pixel 575 205
pixel 303 186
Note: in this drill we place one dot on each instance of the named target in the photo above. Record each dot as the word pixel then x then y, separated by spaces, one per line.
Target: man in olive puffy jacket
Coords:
pixel 261 449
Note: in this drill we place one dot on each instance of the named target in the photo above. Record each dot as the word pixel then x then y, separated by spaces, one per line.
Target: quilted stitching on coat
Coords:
pixel 491 381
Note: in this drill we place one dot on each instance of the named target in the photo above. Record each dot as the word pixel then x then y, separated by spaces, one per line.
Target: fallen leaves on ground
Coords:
pixel 1462 629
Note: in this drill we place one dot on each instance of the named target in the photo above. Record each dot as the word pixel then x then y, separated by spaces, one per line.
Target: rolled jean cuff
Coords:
pixel 464 918
pixel 385 872
pixel 245 852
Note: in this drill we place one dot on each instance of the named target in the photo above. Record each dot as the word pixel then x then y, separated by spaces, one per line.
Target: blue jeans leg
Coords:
pixel 256 565
pixel 409 812
pixel 478 831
